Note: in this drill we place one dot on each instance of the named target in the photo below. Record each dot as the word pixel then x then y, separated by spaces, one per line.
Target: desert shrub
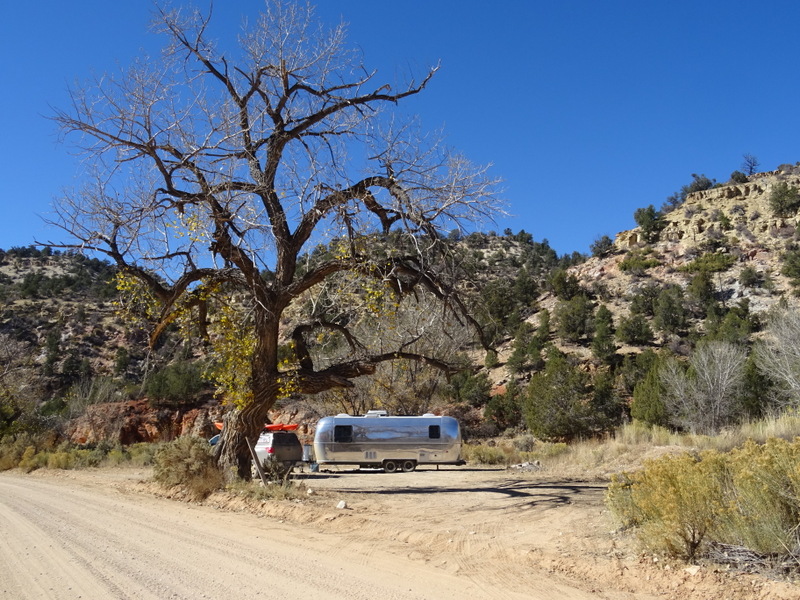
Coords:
pixel 673 503
pixel 636 262
pixel 603 346
pixel 738 177
pixel 602 246
pixel 711 262
pixel 142 454
pixel 650 221
pixel 60 460
pixel 543 450
pixel 285 489
pixel 750 278
pixel 30 461
pixel 748 498
pixel 765 506
pixel 470 388
pixel 635 330
pixel 791 267
pixel 784 200
pixel 505 410
pixel 485 455
pixel 175 383
pixel 84 458
pixel 525 443
pixel 117 456
pixel 188 463
pixel 563 284
pixel 12 447
pixel 575 318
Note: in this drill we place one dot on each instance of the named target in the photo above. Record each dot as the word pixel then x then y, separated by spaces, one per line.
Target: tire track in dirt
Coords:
pixel 61 540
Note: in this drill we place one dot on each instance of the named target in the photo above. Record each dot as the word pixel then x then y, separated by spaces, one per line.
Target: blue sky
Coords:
pixel 587 109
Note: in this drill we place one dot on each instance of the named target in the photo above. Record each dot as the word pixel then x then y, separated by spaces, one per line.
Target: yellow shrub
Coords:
pixel 748 497
pixel 674 502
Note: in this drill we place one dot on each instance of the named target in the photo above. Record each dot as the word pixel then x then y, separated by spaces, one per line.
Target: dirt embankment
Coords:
pixel 431 534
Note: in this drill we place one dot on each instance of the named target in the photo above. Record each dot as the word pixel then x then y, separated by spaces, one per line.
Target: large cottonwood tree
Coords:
pixel 213 174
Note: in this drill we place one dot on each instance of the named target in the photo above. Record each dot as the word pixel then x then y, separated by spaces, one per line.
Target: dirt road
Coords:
pixel 432 535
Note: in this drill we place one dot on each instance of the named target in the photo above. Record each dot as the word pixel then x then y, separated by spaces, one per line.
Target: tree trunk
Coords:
pixel 233 454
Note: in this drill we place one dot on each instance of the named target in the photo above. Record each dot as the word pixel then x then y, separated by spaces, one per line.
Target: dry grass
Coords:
pixel 626 449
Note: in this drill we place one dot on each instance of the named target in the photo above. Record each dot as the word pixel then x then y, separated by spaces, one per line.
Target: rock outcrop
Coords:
pixel 136 421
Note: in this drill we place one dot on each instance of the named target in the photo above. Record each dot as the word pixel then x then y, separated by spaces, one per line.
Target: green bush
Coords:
pixel 650 221
pixel 791 267
pixel 784 200
pixel 575 318
pixel 564 285
pixel 556 405
pixel 470 388
pixel 750 278
pixel 505 410
pixel 602 246
pixel 634 330
pixel 636 262
pixel 175 383
pixel 188 463
pixel 603 346
pixel 738 177
pixel 670 315
pixel 643 301
pixel 647 405
pixel 711 262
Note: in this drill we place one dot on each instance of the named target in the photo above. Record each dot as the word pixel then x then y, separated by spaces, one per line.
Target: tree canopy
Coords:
pixel 214 172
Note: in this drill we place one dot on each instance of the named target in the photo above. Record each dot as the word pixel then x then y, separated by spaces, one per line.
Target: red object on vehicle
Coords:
pixel 270 426
pixel 280 427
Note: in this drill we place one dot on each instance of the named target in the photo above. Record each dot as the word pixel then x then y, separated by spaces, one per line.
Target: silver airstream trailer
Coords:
pixel 393 443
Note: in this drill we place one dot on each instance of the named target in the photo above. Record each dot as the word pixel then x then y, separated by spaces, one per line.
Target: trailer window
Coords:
pixel 343 433
pixel 434 432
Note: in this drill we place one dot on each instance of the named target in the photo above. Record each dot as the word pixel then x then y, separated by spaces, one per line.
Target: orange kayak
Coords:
pixel 270 426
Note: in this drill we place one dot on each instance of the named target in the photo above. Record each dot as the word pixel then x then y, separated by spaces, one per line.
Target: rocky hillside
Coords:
pixel 709 269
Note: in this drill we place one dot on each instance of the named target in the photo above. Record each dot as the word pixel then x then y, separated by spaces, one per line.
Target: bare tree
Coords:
pixel 20 384
pixel 750 164
pixel 706 397
pixel 778 355
pixel 215 175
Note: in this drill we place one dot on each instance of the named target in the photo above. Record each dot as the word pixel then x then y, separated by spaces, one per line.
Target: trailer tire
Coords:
pixel 390 466
pixel 408 466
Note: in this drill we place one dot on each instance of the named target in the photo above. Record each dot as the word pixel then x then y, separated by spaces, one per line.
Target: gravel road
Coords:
pixel 72 537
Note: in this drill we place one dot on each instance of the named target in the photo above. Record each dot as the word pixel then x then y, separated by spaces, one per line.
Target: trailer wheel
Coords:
pixel 408 466
pixel 389 466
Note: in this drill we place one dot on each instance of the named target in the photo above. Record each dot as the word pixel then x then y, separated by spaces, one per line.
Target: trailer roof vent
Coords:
pixel 429 415
pixel 376 413
pixel 342 415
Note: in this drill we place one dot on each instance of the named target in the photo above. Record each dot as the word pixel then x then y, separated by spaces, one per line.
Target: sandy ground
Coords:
pixel 453 533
